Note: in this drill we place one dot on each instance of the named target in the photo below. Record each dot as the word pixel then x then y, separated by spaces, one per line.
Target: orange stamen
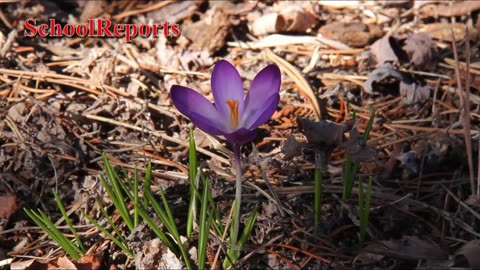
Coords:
pixel 233 104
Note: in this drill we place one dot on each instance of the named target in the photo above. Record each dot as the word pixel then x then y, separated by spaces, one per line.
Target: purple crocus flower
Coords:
pixel 233 115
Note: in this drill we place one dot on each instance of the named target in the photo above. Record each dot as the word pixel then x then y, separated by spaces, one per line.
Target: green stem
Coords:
pixel 318 195
pixel 237 158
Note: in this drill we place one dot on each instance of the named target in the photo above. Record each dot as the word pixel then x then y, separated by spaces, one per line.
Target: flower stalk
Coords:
pixel 237 159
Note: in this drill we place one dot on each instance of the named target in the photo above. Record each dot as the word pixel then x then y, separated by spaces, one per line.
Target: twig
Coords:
pixel 465 103
pixel 474 213
pixel 143 10
pixel 275 195
pixel 478 170
pixel 158 134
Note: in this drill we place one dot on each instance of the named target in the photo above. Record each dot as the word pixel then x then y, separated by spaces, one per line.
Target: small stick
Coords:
pixel 474 213
pixel 465 103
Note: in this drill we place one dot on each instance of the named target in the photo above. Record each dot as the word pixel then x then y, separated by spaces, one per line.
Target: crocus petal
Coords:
pixel 199 109
pixel 227 85
pixel 241 136
pixel 265 85
pixel 263 114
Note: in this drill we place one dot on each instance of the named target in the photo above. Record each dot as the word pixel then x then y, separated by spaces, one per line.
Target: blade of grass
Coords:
pixel 174 229
pixel 204 227
pixel 361 207
pixel 364 206
pixel 42 220
pixel 119 243
pixel 126 184
pixel 234 253
pixel 162 215
pixel 69 222
pixel 347 177
pixel 248 228
pixel 368 128
pixel 167 219
pixel 63 240
pixel 166 207
pixel 150 200
pixel 350 167
pixel 114 192
pixel 193 163
pixel 39 221
pixel 109 219
pixel 348 174
pixel 117 202
pixel 158 232
pixel 135 198
pixel 147 183
pixel 216 220
pixel 231 250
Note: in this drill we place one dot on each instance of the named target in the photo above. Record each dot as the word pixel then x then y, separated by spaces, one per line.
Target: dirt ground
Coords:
pixel 65 101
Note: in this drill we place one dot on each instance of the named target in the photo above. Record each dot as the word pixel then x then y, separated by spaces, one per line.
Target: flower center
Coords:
pixel 233 104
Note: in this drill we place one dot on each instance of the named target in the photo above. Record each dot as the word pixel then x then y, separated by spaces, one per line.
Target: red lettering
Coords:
pixel 145 30
pixel 41 30
pixel 117 28
pixel 69 30
pixel 104 29
pixel 55 29
pixel 82 30
pixel 128 33
pixel 99 28
pixel 165 29
pixel 155 29
pixel 175 30
pixel 29 26
pixel 91 27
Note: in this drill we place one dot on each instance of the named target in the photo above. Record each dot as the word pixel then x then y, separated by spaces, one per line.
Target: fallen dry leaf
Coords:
pixel 31 264
pixel 322 132
pixel 357 148
pixel 385 71
pixel 209 33
pixel 175 12
pixel 17 111
pixel 365 258
pixel 295 19
pixel 91 9
pixel 410 161
pixel 352 34
pixel 265 24
pixel 291 147
pixel 88 262
pixel 292 19
pixel 443 31
pixel 473 200
pixel 65 263
pixel 414 93
pixel 408 248
pixel 8 205
pixel 155 255
pixel 467 255
pixel 457 8
pixel 383 50
pixel 420 49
